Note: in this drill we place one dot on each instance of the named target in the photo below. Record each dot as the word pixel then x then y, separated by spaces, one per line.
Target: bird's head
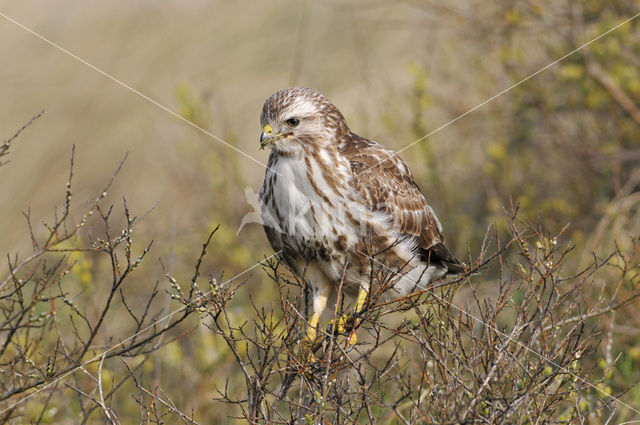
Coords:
pixel 294 117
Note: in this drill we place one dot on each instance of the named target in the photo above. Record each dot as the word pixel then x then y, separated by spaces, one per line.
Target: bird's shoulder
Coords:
pixel 380 175
pixel 372 162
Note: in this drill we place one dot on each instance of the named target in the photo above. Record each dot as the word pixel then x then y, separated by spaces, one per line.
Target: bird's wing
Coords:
pixel 383 180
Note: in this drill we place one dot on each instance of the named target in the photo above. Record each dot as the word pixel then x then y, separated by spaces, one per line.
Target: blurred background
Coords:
pixel 564 144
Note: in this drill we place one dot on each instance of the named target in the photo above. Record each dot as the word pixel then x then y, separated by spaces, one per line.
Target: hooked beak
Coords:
pixel 266 138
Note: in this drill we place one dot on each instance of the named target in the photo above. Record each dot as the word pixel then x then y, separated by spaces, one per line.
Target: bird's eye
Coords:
pixel 292 122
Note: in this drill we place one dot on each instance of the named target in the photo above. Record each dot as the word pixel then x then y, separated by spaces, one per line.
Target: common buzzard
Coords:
pixel 331 200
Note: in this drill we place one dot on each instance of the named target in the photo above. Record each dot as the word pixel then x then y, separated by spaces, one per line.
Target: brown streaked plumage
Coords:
pixel 331 197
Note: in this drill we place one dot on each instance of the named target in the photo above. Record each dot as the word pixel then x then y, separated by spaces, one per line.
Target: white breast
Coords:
pixel 293 196
pixel 317 218
pixel 311 216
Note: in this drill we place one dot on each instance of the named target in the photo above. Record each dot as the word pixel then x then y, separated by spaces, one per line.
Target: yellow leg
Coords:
pixel 310 338
pixel 311 328
pixel 320 294
pixel 362 298
pixel 341 322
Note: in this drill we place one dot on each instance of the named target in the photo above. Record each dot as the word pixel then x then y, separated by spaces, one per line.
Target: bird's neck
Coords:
pixel 301 148
pixel 320 159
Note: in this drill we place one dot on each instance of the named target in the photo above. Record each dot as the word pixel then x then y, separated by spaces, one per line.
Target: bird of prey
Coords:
pixel 332 200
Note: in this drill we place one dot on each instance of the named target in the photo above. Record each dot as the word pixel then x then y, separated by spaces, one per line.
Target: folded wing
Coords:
pixel 385 183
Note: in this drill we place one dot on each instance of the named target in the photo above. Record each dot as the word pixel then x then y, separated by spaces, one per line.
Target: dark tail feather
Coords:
pixel 440 253
pixel 454 268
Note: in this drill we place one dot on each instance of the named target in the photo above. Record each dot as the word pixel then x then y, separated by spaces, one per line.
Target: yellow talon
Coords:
pixel 341 323
pixel 344 319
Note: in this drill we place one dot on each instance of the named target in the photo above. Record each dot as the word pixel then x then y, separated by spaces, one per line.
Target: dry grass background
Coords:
pixel 561 144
